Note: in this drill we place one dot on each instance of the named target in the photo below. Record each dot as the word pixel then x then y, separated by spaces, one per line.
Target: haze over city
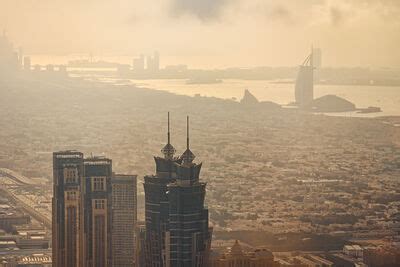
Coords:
pixel 200 133
pixel 210 33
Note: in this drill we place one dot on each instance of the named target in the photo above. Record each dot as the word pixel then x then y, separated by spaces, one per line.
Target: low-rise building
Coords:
pixel 237 257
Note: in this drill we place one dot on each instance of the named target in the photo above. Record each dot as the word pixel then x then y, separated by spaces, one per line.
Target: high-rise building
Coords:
pixel 97 212
pixel 93 211
pixel 153 62
pixel 189 236
pixel 304 88
pixel 124 219
pixel 9 60
pixel 157 206
pixel 67 214
pixel 177 231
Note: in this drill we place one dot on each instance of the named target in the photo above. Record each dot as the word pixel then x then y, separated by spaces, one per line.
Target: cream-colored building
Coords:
pixel 236 257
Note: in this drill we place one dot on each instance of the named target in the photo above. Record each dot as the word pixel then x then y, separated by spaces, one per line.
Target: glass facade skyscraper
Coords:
pixel 177 231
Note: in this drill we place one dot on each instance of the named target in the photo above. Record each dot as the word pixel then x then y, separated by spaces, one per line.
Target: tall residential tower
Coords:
pixel 124 217
pixel 68 184
pixel 94 213
pixel 97 212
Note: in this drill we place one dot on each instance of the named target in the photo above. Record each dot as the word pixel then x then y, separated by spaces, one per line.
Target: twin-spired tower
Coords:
pixel 177 230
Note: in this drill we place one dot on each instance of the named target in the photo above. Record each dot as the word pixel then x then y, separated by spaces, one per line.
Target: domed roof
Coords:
pixel 236 249
pixel 188 156
pixel 168 151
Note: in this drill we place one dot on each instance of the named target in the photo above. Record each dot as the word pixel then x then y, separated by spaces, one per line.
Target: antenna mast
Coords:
pixel 187 132
pixel 168 150
pixel 169 134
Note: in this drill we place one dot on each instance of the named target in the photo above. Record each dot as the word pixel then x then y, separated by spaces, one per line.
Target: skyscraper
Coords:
pixel 67 209
pixel 9 61
pixel 153 62
pixel 156 204
pixel 177 232
pixel 304 88
pixel 189 236
pixel 94 211
pixel 124 219
pixel 97 212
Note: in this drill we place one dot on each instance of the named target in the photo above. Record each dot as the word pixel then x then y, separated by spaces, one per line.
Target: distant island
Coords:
pixel 249 100
pixel 203 80
pixel 332 103
pixel 325 104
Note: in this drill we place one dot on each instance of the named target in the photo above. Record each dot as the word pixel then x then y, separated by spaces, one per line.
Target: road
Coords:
pixel 4 191
pixel 24 252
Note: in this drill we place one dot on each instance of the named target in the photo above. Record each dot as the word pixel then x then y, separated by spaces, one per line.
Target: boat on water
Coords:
pixel 369 110
pixel 203 80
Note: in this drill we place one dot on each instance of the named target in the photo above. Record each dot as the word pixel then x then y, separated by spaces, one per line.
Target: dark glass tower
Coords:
pixel 156 204
pixel 177 232
pixel 189 236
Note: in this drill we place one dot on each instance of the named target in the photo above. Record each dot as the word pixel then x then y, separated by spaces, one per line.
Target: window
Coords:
pixel 99 204
pixel 98 184
pixel 71 195
pixel 70 175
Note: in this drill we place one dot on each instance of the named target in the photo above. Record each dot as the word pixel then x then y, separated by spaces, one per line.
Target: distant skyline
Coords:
pixel 210 33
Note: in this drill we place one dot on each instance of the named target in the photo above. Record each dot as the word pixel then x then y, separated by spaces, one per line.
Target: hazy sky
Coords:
pixel 211 33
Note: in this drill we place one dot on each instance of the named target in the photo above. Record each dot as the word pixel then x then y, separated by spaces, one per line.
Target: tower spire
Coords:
pixel 169 134
pixel 187 132
pixel 187 156
pixel 168 150
pixel 312 56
